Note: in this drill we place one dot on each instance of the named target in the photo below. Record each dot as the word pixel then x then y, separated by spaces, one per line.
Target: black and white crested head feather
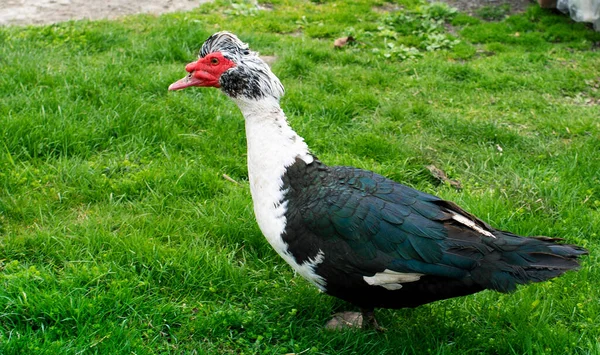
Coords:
pixel 251 78
pixel 228 44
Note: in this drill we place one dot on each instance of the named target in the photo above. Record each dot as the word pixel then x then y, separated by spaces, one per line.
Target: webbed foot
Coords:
pixel 344 320
pixel 365 319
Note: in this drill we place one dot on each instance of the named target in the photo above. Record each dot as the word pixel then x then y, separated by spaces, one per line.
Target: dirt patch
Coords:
pixel 41 12
pixel 387 7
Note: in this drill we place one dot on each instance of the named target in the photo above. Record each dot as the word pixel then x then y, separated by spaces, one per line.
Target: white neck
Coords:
pixel 272 147
pixel 272 143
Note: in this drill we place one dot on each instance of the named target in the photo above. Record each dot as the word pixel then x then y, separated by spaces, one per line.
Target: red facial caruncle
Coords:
pixel 204 72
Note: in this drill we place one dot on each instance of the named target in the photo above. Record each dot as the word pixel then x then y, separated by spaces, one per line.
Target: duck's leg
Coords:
pixel 369 321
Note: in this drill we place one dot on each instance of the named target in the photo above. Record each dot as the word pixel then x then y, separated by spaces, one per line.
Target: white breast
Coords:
pixel 272 147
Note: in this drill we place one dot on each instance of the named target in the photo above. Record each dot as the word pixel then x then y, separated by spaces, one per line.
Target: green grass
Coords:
pixel 119 235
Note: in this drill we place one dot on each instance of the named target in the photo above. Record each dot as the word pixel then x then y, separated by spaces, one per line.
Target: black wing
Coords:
pixel 368 223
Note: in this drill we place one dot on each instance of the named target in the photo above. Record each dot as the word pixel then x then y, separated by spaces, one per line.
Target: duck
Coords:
pixel 355 234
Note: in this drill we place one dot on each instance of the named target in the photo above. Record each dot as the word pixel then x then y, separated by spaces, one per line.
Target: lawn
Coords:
pixel 120 233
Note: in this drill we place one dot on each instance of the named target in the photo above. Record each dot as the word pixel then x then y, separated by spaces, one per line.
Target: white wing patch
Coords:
pixel 391 280
pixel 469 223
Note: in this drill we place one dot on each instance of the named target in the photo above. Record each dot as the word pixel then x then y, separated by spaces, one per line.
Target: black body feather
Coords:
pixel 365 223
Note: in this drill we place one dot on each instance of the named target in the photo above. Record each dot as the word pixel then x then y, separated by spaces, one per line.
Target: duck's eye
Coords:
pixel 214 61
